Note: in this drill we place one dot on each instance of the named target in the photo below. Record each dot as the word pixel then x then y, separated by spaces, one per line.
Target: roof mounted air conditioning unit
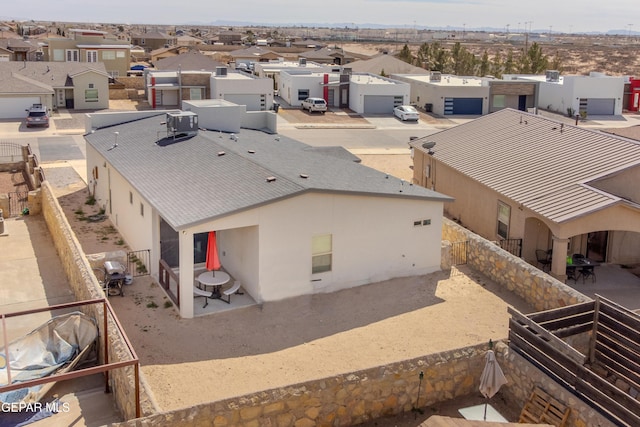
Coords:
pixel 302 62
pixel 435 76
pixel 182 123
pixel 221 71
pixel 553 75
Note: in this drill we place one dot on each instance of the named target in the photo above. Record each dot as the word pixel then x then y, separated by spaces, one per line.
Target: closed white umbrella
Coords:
pixel 492 378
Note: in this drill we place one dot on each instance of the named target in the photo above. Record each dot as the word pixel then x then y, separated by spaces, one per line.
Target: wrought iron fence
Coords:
pixel 513 246
pixel 459 252
pixel 18 202
pixel 10 152
pixel 137 262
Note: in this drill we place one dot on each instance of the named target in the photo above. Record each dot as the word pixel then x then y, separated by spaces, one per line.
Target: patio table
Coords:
pixel 215 279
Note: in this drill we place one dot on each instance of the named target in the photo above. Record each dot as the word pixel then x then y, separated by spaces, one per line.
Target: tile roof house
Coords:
pixel 558 187
pixel 20 50
pixel 290 219
pixel 54 84
pixel 153 40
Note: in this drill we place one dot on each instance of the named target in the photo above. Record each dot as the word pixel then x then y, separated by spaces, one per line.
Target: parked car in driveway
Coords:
pixel 38 116
pixel 406 112
pixel 314 104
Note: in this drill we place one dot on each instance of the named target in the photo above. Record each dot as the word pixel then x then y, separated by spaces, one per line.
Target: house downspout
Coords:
pixel 179 86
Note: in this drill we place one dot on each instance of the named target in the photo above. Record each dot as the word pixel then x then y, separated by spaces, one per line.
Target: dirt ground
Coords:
pixel 190 361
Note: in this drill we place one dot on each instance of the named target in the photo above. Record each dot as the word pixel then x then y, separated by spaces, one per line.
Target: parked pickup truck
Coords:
pixel 314 104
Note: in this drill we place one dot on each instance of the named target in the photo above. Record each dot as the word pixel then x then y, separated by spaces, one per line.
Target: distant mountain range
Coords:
pixel 352 26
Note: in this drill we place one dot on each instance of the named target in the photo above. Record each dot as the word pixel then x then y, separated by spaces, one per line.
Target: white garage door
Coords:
pixel 378 104
pixel 253 102
pixel 14 108
pixel 600 106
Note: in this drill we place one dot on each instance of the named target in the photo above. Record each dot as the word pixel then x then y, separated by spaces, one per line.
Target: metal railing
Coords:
pixel 10 152
pixel 18 201
pixel 169 281
pixel 137 262
pixel 459 252
pixel 513 246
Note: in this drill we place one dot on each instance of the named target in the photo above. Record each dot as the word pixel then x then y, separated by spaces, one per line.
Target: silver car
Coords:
pixel 406 112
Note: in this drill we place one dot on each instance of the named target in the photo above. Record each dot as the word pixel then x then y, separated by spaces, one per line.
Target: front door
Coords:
pixel 61 100
pixel 597 246
pixel 522 103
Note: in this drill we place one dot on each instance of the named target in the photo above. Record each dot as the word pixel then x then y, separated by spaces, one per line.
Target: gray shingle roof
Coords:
pixel 188 183
pixel 190 61
pixel 32 76
pixel 537 162
pixel 389 63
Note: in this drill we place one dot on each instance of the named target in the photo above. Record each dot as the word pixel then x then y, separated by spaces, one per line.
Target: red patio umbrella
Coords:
pixel 213 261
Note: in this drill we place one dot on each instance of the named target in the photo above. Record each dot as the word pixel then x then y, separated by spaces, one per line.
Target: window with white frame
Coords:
pixel 120 54
pixel 321 253
pixel 499 101
pixel 72 55
pixel 91 95
pixel 108 55
pixel 92 56
pixel 504 215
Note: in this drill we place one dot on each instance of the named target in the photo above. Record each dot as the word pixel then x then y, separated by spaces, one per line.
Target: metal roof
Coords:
pixel 188 182
pixel 539 163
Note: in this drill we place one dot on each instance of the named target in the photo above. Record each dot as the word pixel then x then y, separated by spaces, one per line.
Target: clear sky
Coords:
pixel 544 15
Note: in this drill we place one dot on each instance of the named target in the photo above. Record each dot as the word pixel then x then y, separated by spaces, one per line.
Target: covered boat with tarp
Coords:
pixel 55 347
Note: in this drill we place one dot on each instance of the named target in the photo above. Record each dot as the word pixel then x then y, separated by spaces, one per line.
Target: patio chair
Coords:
pixel 588 272
pixel 571 274
pixel 543 259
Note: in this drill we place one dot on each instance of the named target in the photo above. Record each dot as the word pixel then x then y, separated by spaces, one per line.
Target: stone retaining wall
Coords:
pixel 85 287
pixel 342 400
pixel 539 289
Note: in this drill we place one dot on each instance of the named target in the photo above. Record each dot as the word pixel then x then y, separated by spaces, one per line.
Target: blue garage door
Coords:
pixel 463 106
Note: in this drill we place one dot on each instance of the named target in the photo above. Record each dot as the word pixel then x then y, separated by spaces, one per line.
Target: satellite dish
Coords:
pixel 428 145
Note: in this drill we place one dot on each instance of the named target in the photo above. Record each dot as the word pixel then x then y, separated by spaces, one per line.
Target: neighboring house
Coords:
pixel 91 46
pixel 153 40
pixel 243 89
pixel 169 88
pixel 362 93
pixel 273 69
pixel 230 38
pixel 594 95
pixel 167 52
pixel 558 187
pixel 290 219
pixel 328 55
pixel 54 84
pixel 388 64
pixel 188 41
pixel 188 61
pixel 447 95
pixel 308 43
pixel 20 50
pixel 253 54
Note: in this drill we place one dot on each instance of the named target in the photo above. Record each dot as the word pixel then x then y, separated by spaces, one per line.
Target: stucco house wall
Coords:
pixel 361 86
pixel 292 82
pixel 133 216
pixel 90 81
pixel 235 86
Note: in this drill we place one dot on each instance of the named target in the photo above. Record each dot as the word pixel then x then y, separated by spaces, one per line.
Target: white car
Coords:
pixel 314 104
pixel 406 112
